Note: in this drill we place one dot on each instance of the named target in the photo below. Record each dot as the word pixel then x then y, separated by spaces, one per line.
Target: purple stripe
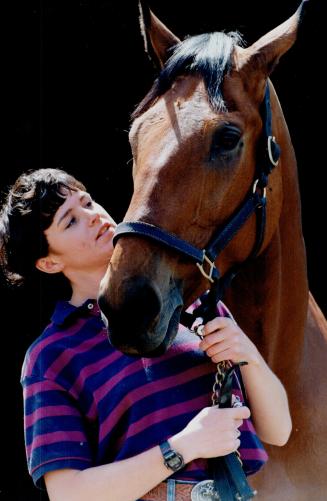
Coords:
pixel 238 392
pixel 33 355
pixel 253 454
pixel 153 387
pixel 65 357
pixel 247 425
pixel 166 413
pixel 55 436
pixel 34 388
pixel 223 311
pixel 132 368
pixel 49 411
pixel 92 369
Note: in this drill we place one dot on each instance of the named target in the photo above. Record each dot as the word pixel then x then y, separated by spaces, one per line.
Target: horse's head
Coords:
pixel 195 140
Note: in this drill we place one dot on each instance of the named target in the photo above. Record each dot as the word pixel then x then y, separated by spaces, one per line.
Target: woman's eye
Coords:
pixel 72 221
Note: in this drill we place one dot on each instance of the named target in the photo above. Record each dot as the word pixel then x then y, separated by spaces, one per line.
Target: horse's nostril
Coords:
pixel 142 301
pixel 131 317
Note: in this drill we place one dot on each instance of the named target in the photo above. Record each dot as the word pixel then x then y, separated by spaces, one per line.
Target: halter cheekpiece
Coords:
pixel 255 201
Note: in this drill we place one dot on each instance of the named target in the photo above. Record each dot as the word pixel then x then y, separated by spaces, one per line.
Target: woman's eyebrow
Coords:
pixel 68 211
pixel 64 216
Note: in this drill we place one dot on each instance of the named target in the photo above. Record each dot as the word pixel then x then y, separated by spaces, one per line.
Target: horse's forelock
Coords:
pixel 208 54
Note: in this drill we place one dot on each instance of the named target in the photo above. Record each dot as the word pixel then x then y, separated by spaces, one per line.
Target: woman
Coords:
pixel 100 424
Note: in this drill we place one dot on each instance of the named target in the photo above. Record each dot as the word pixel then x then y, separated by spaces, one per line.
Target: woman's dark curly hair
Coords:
pixel 26 213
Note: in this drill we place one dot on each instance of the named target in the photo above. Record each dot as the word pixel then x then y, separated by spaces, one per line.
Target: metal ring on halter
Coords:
pixel 255 187
pixel 198 330
pixel 271 158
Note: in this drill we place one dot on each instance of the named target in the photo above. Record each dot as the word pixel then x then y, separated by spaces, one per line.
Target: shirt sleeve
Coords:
pixel 55 432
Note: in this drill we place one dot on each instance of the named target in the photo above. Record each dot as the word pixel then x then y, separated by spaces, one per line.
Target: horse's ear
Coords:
pixel 158 39
pixel 264 54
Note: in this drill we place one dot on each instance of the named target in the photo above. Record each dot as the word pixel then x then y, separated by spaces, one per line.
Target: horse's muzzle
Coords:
pixel 143 323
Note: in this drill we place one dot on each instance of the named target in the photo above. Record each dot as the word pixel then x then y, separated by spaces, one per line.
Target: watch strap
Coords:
pixel 165 448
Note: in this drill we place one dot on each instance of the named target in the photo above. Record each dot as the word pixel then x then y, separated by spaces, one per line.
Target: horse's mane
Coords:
pixel 208 54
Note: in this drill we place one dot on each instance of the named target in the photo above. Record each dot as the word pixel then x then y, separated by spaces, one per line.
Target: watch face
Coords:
pixel 172 459
pixel 175 461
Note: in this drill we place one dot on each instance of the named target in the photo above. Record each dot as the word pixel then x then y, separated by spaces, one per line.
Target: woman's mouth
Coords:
pixel 104 230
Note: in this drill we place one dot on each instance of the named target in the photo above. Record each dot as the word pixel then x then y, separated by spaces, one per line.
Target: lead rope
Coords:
pixel 222 368
pixel 229 483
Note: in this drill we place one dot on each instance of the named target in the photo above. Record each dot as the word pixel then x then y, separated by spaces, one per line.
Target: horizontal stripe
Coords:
pixel 49 411
pixel 253 454
pixel 56 436
pixel 134 367
pixel 92 369
pixel 166 413
pixel 55 337
pixel 93 401
pixel 33 389
pixel 68 354
pixel 153 387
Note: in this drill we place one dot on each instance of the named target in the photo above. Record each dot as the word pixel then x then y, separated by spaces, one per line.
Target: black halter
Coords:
pixel 255 201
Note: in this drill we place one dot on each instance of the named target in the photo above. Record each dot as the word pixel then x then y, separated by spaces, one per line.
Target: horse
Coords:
pixel 195 139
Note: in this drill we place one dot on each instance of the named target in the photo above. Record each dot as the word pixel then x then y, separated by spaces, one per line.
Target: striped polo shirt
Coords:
pixel 88 404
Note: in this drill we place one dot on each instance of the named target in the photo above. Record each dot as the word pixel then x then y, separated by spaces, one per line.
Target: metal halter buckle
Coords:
pixel 212 267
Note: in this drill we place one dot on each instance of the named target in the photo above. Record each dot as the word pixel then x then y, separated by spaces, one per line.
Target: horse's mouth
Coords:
pixel 171 333
pixel 147 339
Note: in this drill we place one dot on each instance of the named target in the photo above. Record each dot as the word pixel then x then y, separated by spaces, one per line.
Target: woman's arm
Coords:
pixel 225 340
pixel 212 432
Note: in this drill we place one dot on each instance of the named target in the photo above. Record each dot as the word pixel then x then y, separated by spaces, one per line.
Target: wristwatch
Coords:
pixel 172 459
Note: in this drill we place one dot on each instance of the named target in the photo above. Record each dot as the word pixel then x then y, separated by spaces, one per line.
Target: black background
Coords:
pixel 76 70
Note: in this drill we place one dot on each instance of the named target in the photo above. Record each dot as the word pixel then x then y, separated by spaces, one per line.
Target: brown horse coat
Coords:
pixel 174 189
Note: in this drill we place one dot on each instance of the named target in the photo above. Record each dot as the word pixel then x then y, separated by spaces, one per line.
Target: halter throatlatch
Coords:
pixel 255 202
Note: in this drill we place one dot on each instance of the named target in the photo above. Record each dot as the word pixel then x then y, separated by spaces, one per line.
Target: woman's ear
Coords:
pixel 49 264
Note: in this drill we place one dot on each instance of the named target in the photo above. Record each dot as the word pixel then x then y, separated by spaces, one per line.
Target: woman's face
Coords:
pixel 80 235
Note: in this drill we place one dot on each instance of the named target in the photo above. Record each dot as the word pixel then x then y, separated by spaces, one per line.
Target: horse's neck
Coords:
pixel 269 299
pixel 270 296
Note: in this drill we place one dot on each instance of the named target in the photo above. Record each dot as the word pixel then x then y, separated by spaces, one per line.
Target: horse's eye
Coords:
pixel 224 141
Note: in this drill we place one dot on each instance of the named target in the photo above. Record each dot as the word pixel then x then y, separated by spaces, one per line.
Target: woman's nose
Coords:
pixel 94 218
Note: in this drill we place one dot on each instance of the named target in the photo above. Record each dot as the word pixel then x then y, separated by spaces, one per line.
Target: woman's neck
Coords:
pixel 85 286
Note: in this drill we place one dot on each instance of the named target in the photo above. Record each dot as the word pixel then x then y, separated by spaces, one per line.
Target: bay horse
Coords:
pixel 195 140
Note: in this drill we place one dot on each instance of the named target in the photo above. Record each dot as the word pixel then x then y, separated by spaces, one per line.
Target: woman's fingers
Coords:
pixel 216 324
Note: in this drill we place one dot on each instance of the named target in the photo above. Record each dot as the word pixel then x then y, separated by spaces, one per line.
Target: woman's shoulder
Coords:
pixel 71 332
pixel 35 355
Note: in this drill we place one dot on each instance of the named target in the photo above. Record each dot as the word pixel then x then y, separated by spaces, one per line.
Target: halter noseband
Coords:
pixel 255 201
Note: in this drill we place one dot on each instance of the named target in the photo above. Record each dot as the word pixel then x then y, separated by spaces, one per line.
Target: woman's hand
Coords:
pixel 212 432
pixel 223 339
